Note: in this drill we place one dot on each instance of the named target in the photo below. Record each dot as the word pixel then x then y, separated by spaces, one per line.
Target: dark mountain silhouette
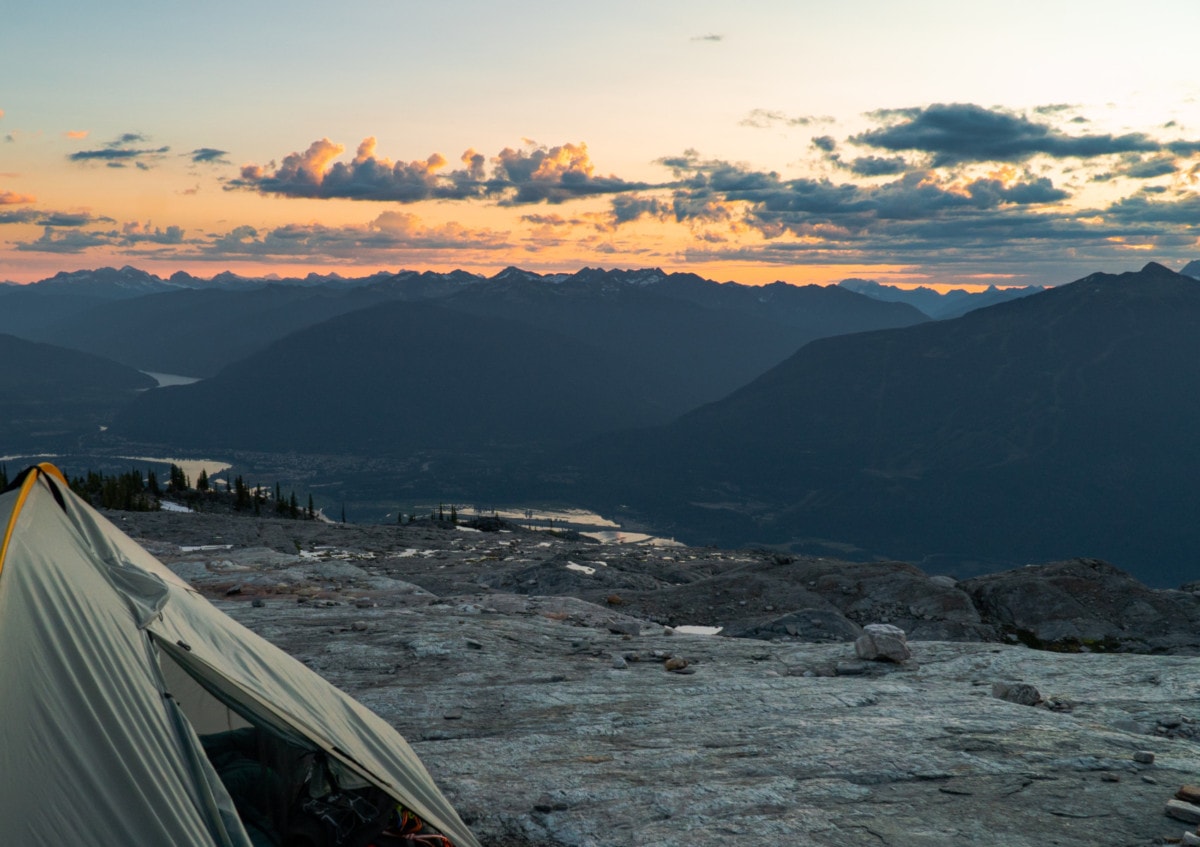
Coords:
pixel 42 310
pixel 1057 425
pixel 936 304
pixel 196 332
pixel 700 339
pixel 400 377
pixel 49 393
pixel 694 349
pixel 1192 269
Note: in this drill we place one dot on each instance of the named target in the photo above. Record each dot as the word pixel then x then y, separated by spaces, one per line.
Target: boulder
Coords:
pixel 882 642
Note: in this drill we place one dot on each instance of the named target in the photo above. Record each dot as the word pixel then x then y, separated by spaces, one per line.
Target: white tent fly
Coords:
pixel 128 703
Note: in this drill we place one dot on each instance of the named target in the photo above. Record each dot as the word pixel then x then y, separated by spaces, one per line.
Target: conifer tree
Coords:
pixel 311 514
pixel 202 480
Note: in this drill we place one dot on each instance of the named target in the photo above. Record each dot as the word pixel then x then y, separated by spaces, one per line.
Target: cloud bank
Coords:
pixel 535 174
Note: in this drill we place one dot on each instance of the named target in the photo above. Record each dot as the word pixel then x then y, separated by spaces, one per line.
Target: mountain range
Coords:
pixel 938 305
pixel 814 419
pixel 1062 423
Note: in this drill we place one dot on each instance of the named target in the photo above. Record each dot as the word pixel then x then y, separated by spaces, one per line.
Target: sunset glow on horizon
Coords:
pixel 925 143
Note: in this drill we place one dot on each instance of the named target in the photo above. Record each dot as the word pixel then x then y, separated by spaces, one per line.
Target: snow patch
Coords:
pixel 692 629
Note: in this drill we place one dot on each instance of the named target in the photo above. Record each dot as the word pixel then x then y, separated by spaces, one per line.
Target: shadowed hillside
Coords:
pixel 397 377
pixel 1059 424
pixel 49 393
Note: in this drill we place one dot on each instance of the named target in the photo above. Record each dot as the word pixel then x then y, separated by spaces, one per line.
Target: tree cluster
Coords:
pixel 129 491
pixel 133 491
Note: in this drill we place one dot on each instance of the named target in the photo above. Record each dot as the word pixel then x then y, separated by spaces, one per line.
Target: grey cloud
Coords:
pixel 1054 108
pixel 206 155
pixel 1183 210
pixel 117 155
pixel 66 219
pixel 825 142
pixel 1150 168
pixel 71 241
pixel 19 216
pixel 69 220
pixel 133 234
pixel 712 36
pixel 391 231
pixel 128 138
pixel 957 133
pixel 630 208
pixel 877 166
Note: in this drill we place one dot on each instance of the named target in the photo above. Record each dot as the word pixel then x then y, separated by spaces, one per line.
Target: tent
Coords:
pixel 117 679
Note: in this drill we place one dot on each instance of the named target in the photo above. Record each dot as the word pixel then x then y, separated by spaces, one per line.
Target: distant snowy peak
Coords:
pixel 514 274
pixel 617 277
pixel 937 305
pixel 105 282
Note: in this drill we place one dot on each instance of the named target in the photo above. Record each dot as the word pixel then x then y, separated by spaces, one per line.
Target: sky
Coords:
pixel 921 142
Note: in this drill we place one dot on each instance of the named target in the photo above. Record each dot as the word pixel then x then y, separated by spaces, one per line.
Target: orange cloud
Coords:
pixel 10 198
pixel 313 162
pixel 77 133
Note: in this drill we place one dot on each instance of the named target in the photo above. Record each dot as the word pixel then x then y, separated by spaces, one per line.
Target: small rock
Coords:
pixel 1190 838
pixel 359 626
pixel 675 663
pixel 1020 693
pixel 1189 794
pixel 1182 811
pixel 473 644
pixel 546 803
pixel 364 603
pixel 1109 777
pixel 1143 757
pixel 453 715
pixel 257 603
pixel 882 642
pixel 625 628
pixel 850 669
pixel 619 663
pixel 232 590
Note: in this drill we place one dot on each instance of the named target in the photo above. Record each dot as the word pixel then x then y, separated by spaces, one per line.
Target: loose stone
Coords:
pixel 1020 693
pixel 1182 811
pixel 882 642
